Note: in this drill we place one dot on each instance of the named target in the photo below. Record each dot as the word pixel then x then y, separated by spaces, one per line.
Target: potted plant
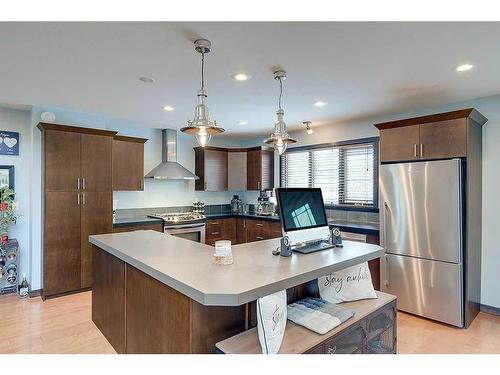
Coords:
pixel 8 213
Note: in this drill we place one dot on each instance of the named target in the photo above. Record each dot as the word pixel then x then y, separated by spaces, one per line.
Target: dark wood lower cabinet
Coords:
pixel 61 258
pixel 220 229
pixel 108 297
pixel 157 316
pixel 161 320
pixel 138 314
pixel 241 230
pixel 96 218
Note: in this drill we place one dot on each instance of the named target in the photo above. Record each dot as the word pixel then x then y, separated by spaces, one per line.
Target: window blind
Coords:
pixel 344 173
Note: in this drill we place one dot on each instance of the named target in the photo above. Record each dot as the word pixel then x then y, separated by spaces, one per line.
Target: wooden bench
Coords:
pixel 372 330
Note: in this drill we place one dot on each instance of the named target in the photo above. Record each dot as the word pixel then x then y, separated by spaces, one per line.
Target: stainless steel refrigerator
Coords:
pixel 421 229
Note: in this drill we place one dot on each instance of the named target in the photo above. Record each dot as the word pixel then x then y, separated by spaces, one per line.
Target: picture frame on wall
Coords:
pixel 7 176
pixel 9 143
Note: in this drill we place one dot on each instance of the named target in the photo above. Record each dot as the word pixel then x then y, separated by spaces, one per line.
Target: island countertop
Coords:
pixel 188 266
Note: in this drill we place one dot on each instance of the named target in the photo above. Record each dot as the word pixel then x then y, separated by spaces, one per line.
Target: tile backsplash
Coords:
pixel 129 213
pixel 352 216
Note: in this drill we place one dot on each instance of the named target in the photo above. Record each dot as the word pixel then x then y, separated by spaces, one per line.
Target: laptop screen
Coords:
pixel 301 208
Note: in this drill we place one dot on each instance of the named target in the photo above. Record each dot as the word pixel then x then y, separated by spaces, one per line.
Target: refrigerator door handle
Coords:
pixel 386 281
pixel 386 225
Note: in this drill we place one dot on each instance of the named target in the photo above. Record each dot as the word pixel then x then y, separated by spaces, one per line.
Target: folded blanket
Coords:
pixel 317 314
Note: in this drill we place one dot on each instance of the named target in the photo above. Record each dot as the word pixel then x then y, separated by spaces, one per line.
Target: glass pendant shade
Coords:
pixel 202 136
pixel 280 146
pixel 280 138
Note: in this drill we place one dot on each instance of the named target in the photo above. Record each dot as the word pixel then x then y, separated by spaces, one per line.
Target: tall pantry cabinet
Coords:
pixel 77 202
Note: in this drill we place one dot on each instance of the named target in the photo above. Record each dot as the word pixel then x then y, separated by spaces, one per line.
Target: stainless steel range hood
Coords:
pixel 169 169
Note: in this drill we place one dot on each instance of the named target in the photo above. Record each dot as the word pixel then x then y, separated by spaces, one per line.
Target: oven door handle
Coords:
pixel 187 226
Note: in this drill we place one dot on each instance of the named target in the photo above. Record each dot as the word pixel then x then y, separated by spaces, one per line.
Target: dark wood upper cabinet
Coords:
pixel 96 165
pixel 96 218
pixel 260 169
pixel 236 170
pixel 211 168
pixel 128 163
pixel 431 137
pixel 445 139
pixel 223 168
pixel 62 160
pixel 399 144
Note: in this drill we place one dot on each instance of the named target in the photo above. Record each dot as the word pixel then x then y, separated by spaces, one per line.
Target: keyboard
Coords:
pixel 313 247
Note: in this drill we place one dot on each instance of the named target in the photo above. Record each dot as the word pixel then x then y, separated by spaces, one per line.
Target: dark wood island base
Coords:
pixel 138 314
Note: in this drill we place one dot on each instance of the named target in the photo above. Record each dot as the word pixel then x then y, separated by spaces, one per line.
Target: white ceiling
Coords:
pixel 360 69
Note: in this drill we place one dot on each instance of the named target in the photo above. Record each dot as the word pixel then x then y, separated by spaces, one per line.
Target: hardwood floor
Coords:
pixel 64 325
pixel 60 325
pixel 423 336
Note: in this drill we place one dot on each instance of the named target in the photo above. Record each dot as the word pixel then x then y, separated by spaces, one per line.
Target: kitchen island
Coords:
pixel 156 293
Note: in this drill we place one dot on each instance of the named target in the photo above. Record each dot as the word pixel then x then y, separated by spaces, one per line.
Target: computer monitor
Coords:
pixel 303 215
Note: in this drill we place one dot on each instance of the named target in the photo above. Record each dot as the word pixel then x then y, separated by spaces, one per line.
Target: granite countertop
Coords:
pixel 124 222
pixel 247 215
pixel 188 266
pixel 348 226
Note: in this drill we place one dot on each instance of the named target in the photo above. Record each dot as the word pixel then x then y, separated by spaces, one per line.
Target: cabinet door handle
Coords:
pixel 84 184
pixel 84 198
pixel 421 149
pixel 258 185
pixel 215 223
pixel 214 233
pixel 78 199
pixel 259 238
pixel 415 150
pixel 244 223
pixel 259 224
pixel 78 183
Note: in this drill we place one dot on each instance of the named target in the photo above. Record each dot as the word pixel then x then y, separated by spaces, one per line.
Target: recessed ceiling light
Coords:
pixel 320 103
pixel 241 77
pixel 146 79
pixel 168 108
pixel 242 122
pixel 464 67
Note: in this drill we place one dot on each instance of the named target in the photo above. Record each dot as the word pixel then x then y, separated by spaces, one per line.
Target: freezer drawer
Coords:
pixel 425 287
pixel 421 212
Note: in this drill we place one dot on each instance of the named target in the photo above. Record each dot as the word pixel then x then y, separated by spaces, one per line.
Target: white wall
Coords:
pixel 19 121
pixel 489 107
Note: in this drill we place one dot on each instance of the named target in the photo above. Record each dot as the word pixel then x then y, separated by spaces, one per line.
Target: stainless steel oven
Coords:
pixel 191 231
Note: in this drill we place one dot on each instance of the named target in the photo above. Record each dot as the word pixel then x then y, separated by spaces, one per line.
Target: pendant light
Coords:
pixel 201 126
pixel 308 127
pixel 280 138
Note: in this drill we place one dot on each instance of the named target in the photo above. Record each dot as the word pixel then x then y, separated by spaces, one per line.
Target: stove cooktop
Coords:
pixel 179 217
